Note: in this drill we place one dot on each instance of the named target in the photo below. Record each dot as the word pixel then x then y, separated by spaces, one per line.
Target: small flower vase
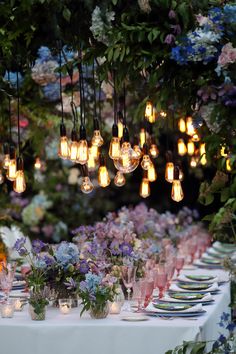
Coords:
pixel 98 312
pixel 37 316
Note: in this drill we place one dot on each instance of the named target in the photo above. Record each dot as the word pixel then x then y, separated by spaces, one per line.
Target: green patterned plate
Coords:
pixel 211 261
pixel 186 296
pixel 193 286
pixel 200 277
pixel 172 307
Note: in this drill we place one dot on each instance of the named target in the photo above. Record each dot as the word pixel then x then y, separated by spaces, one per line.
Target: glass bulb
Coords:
pixel 177 191
pixel 202 149
pixel 144 188
pixel 120 129
pixel 228 165
pixel 37 164
pixel 64 150
pixel 97 139
pixel 142 137
pixel 19 184
pixel 182 125
pixel 11 172
pixel 181 147
pixel 193 162
pixel 73 150
pixel 169 172
pixel 86 186
pixel 114 149
pixel 119 179
pixel 6 161
pixel 203 160
pixel 91 161
pixel 1 177
pixel 138 151
pixel 189 126
pixel 181 175
pixel 163 114
pixel 82 152
pixel 129 159
pixel 151 173
pixel 146 162
pixel 150 112
pixel 222 151
pixel 190 147
pixel 94 151
pixel 153 151
pixel 195 137
pixel 103 177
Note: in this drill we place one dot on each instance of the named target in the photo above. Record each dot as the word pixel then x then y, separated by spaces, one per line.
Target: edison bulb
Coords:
pixel 120 129
pixel 223 153
pixel 153 151
pixel 73 150
pixel 163 114
pixel 195 137
pixel 138 151
pixel 177 192
pixel 64 150
pixel 6 161
pixel 169 172
pixel 82 152
pixel 151 174
pixel 86 186
pixel 119 179
pixel 91 161
pixel 190 147
pixel 94 151
pixel 150 112
pixel 1 177
pixel 144 188
pixel 193 162
pixel 37 164
pixel 11 172
pixel 19 184
pixel 181 147
pixel 103 177
pixel 129 159
pixel 202 149
pixel 228 165
pixel 142 137
pixel 182 125
pixel 146 162
pixel 114 149
pixel 189 126
pixel 181 175
pixel 203 160
pixel 97 139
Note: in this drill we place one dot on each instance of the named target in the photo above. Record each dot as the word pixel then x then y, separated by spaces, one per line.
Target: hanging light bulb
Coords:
pixel 6 152
pixel 181 147
pixel 129 159
pixel 114 149
pixel 150 112
pixel 11 172
pixel 190 147
pixel 97 139
pixel 37 164
pixel 181 174
pixel 1 177
pixel 86 186
pixel 103 175
pixel 189 126
pixel 91 161
pixel 19 185
pixel 151 173
pixel 119 179
pixel 82 151
pixel 120 124
pixel 153 151
pixel 195 137
pixel 94 151
pixel 163 114
pixel 182 125
pixel 193 161
pixel 228 165
pixel 144 190
pixel 142 137
pixel 169 172
pixel 63 151
pixel 203 159
pixel 138 151
pixel 223 151
pixel 176 192
pixel 73 146
pixel 146 162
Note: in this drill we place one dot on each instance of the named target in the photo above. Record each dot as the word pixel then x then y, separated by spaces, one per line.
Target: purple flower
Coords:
pixel 83 267
pixel 172 14
pixel 176 29
pixel 222 339
pixel 126 249
pixel 20 242
pixel 22 251
pixel 70 284
pixel 215 345
pixel 231 326
pixel 170 39
pixel 114 247
pixel 37 246
pixel 225 316
pixel 49 260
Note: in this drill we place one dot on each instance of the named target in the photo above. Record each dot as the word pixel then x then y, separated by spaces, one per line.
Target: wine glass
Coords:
pixel 149 286
pixel 128 273
pixel 6 278
pixel 139 293
pixel 161 280
pixel 170 269
pixel 179 263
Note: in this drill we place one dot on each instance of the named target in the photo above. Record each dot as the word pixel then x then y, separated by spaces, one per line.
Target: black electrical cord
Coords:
pixel 60 81
pixel 9 108
pixel 18 111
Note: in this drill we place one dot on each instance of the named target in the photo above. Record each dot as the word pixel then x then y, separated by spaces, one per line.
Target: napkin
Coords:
pixel 207 297
pixel 195 308
pixel 182 277
pixel 213 287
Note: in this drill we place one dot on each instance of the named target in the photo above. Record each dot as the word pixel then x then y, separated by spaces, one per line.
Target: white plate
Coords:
pixel 134 318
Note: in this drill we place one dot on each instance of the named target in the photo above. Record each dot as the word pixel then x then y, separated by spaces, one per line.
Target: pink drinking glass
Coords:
pixel 6 278
pixel 179 263
pixel 170 270
pixel 149 286
pixel 161 280
pixel 128 274
pixel 192 251
pixel 139 293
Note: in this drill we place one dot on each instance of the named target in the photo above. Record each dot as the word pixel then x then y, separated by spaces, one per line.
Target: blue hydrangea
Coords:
pixel 230 13
pixel 13 78
pixel 67 253
pixel 44 54
pixel 92 281
pixel 52 91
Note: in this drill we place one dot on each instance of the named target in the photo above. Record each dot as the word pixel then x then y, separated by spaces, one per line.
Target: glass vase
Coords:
pixel 98 312
pixel 37 316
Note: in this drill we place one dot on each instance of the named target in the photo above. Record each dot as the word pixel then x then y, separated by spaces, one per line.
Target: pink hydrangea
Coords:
pixel 228 55
pixel 202 20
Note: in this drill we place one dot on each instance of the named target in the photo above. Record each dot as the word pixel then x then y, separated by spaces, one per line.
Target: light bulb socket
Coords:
pixel 84 170
pixel 120 117
pixel 126 135
pixel 176 173
pixel 82 132
pixel 19 164
pixel 95 124
pixel 102 160
pixel 115 130
pixel 169 156
pixel 145 148
pixel 12 152
pixel 6 149
pixel 74 135
pixel 145 174
pixel 62 130
pixel 149 127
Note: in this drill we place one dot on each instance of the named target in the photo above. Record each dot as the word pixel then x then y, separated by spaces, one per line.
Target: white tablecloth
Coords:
pixel 70 334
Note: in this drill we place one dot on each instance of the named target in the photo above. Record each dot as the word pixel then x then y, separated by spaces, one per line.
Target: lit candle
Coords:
pixel 115 308
pixel 18 305
pixel 7 310
pixel 65 306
